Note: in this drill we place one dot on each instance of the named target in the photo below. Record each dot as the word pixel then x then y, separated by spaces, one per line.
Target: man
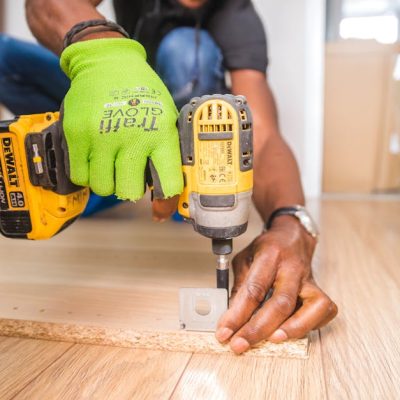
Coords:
pixel 110 134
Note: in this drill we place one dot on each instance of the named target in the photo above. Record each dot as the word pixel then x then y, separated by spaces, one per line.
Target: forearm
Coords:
pixel 50 20
pixel 277 180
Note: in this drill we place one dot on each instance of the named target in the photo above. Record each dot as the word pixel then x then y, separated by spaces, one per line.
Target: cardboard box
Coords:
pixel 362 102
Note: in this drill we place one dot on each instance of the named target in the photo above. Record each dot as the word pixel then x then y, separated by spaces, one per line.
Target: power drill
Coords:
pixel 37 199
pixel 217 156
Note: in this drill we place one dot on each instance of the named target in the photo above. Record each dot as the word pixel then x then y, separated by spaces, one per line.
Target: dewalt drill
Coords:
pixel 37 199
pixel 217 157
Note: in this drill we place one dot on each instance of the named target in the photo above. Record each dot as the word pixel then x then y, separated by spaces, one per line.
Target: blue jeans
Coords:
pixel 190 64
pixel 31 81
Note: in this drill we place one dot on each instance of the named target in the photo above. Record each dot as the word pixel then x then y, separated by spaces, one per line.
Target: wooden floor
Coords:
pixel 356 357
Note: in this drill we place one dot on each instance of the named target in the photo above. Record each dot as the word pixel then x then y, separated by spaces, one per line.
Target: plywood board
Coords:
pixel 155 340
pixel 113 280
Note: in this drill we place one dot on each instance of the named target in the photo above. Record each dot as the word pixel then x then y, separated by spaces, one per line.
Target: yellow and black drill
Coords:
pixel 217 156
pixel 37 199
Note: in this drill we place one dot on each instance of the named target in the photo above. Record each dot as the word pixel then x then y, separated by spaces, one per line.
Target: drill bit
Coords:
pixel 222 248
pixel 223 272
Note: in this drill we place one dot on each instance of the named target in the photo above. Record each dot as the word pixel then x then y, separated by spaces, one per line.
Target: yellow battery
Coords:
pixel 37 200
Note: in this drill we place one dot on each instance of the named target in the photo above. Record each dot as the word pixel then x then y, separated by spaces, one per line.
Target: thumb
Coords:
pixel 164 208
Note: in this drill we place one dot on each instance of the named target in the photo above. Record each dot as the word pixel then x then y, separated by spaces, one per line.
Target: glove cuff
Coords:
pixel 98 50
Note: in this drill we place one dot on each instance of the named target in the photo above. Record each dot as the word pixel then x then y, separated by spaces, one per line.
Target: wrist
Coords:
pixel 294 215
pixel 296 230
pixel 100 35
pixel 92 26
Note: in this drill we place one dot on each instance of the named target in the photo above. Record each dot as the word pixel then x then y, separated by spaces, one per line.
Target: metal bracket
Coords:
pixel 201 308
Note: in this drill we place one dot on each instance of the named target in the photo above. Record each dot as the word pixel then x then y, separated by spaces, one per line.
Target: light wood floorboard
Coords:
pixel 21 360
pixel 98 372
pixel 360 269
pixel 224 378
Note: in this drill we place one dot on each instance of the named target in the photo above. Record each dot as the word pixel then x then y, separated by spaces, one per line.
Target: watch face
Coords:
pixel 307 222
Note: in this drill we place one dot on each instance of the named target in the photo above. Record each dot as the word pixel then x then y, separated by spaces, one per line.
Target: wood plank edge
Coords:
pixel 182 341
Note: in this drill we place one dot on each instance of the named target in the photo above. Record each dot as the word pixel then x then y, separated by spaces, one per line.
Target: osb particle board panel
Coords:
pixel 113 280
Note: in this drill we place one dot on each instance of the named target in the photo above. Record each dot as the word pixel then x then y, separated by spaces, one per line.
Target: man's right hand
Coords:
pixel 117 115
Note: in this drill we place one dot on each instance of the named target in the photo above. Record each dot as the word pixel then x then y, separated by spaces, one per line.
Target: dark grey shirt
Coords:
pixel 234 25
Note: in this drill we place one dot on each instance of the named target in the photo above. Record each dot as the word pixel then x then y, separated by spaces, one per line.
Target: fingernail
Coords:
pixel 223 334
pixel 239 345
pixel 278 336
pixel 158 219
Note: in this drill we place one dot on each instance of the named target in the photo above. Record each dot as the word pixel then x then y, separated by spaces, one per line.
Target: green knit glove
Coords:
pixel 117 115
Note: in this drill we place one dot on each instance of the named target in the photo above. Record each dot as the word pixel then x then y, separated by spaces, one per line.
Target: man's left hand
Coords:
pixel 279 259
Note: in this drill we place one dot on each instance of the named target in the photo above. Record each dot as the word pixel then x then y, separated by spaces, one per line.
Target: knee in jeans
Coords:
pixel 4 54
pixel 178 49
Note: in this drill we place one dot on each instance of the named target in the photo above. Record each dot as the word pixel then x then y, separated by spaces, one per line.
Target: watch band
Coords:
pixel 292 210
pixel 301 214
pixel 102 24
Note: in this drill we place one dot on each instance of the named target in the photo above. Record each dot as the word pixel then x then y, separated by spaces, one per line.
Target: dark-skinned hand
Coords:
pixel 164 208
pixel 279 259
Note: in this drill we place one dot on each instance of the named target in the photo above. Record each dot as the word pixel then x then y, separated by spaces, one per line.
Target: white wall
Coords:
pixel 296 50
pixel 14 17
pixel 296 31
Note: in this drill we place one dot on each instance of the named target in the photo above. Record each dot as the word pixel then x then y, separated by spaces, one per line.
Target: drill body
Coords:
pixel 217 157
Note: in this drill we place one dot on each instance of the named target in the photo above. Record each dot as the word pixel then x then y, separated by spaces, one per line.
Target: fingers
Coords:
pixel 167 169
pixel 167 177
pixel 317 310
pixel 129 175
pixel 249 296
pixel 240 264
pixel 162 209
pixel 102 172
pixel 78 161
pixel 273 313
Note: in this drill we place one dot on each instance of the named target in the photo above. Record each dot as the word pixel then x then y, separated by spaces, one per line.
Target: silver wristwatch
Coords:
pixel 301 214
